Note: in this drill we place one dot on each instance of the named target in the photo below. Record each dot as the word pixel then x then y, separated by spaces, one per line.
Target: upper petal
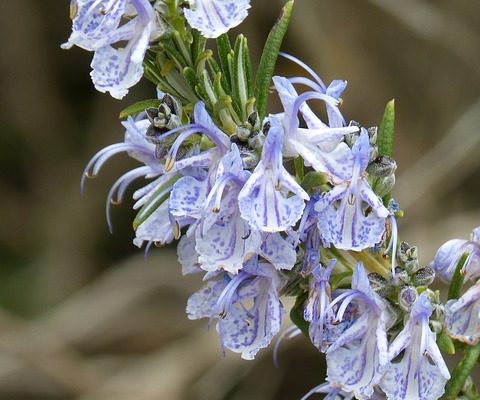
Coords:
pixel 462 316
pixel 214 17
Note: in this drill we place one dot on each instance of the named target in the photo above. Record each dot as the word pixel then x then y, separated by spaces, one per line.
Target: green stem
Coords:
pixel 461 372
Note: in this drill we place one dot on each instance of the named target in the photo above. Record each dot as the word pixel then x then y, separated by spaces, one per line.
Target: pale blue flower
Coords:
pixel 223 239
pixel 450 253
pixel 214 17
pixel 421 373
pixel 462 316
pixel 265 200
pixel 331 392
pixel 246 306
pixel 317 311
pixel 97 25
pixel 358 358
pixel 351 215
pixel 317 144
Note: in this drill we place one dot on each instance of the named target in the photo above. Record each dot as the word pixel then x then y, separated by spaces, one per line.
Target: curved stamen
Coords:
pixel 289 333
pixel 392 245
pixel 218 188
pixel 227 297
pixel 343 307
pixel 97 161
pixel 304 97
pixel 172 153
pixel 305 67
pixel 307 82
pixel 153 202
pixel 175 130
pixel 118 190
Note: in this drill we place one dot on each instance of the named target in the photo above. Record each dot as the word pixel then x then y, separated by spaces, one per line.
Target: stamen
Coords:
pixel 177 231
pixel 228 294
pixel 73 9
pixel 169 163
pixel 305 67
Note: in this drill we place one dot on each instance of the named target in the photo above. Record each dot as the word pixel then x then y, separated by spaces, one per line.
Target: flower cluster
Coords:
pixel 294 203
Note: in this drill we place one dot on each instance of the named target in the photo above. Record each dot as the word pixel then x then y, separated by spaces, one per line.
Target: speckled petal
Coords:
pixel 113 70
pixel 357 368
pixel 187 255
pixel 278 251
pixel 247 330
pixel 203 304
pixel 188 197
pixel 346 226
pixel 413 378
pixel 156 228
pixel 226 245
pixel 214 17
pixel 462 316
pixel 266 208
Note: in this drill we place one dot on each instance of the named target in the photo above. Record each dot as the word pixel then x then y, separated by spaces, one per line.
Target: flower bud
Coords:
pixel 372 134
pixel 378 283
pixel 407 297
pixel 243 133
pixel 423 277
pixel 256 140
pixel 382 167
pixel 383 186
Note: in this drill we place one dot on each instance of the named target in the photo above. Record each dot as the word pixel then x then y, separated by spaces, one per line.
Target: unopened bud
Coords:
pixel 256 140
pixel 382 167
pixel 372 134
pixel 383 186
pixel 249 158
pixel 407 297
pixel 243 133
pixel 424 277
pixel 411 266
pixel 378 283
pixel 402 253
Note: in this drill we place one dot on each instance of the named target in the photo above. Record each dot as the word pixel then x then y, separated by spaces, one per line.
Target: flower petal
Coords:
pixel 407 379
pixel 357 368
pixel 188 197
pixel 266 208
pixel 214 17
pixel 113 70
pixel 156 228
pixel 347 226
pixel 226 245
pixel 246 331
pixel 203 304
pixel 278 251
pixel 462 316
pixel 187 255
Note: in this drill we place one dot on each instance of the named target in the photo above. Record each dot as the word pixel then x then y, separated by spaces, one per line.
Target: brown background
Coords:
pixel 83 314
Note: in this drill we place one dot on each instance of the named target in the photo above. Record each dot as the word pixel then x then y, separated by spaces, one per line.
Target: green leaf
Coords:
pixel 240 91
pixel 224 48
pixel 445 343
pixel 190 77
pixel 296 314
pixel 299 170
pixel 198 44
pixel 139 107
pixel 386 130
pixel 336 280
pixel 457 280
pixel 269 57
pixel 313 180
pixel 461 372
pixel 154 202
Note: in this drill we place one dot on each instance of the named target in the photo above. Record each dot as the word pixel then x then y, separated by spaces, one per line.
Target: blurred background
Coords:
pixel 83 315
